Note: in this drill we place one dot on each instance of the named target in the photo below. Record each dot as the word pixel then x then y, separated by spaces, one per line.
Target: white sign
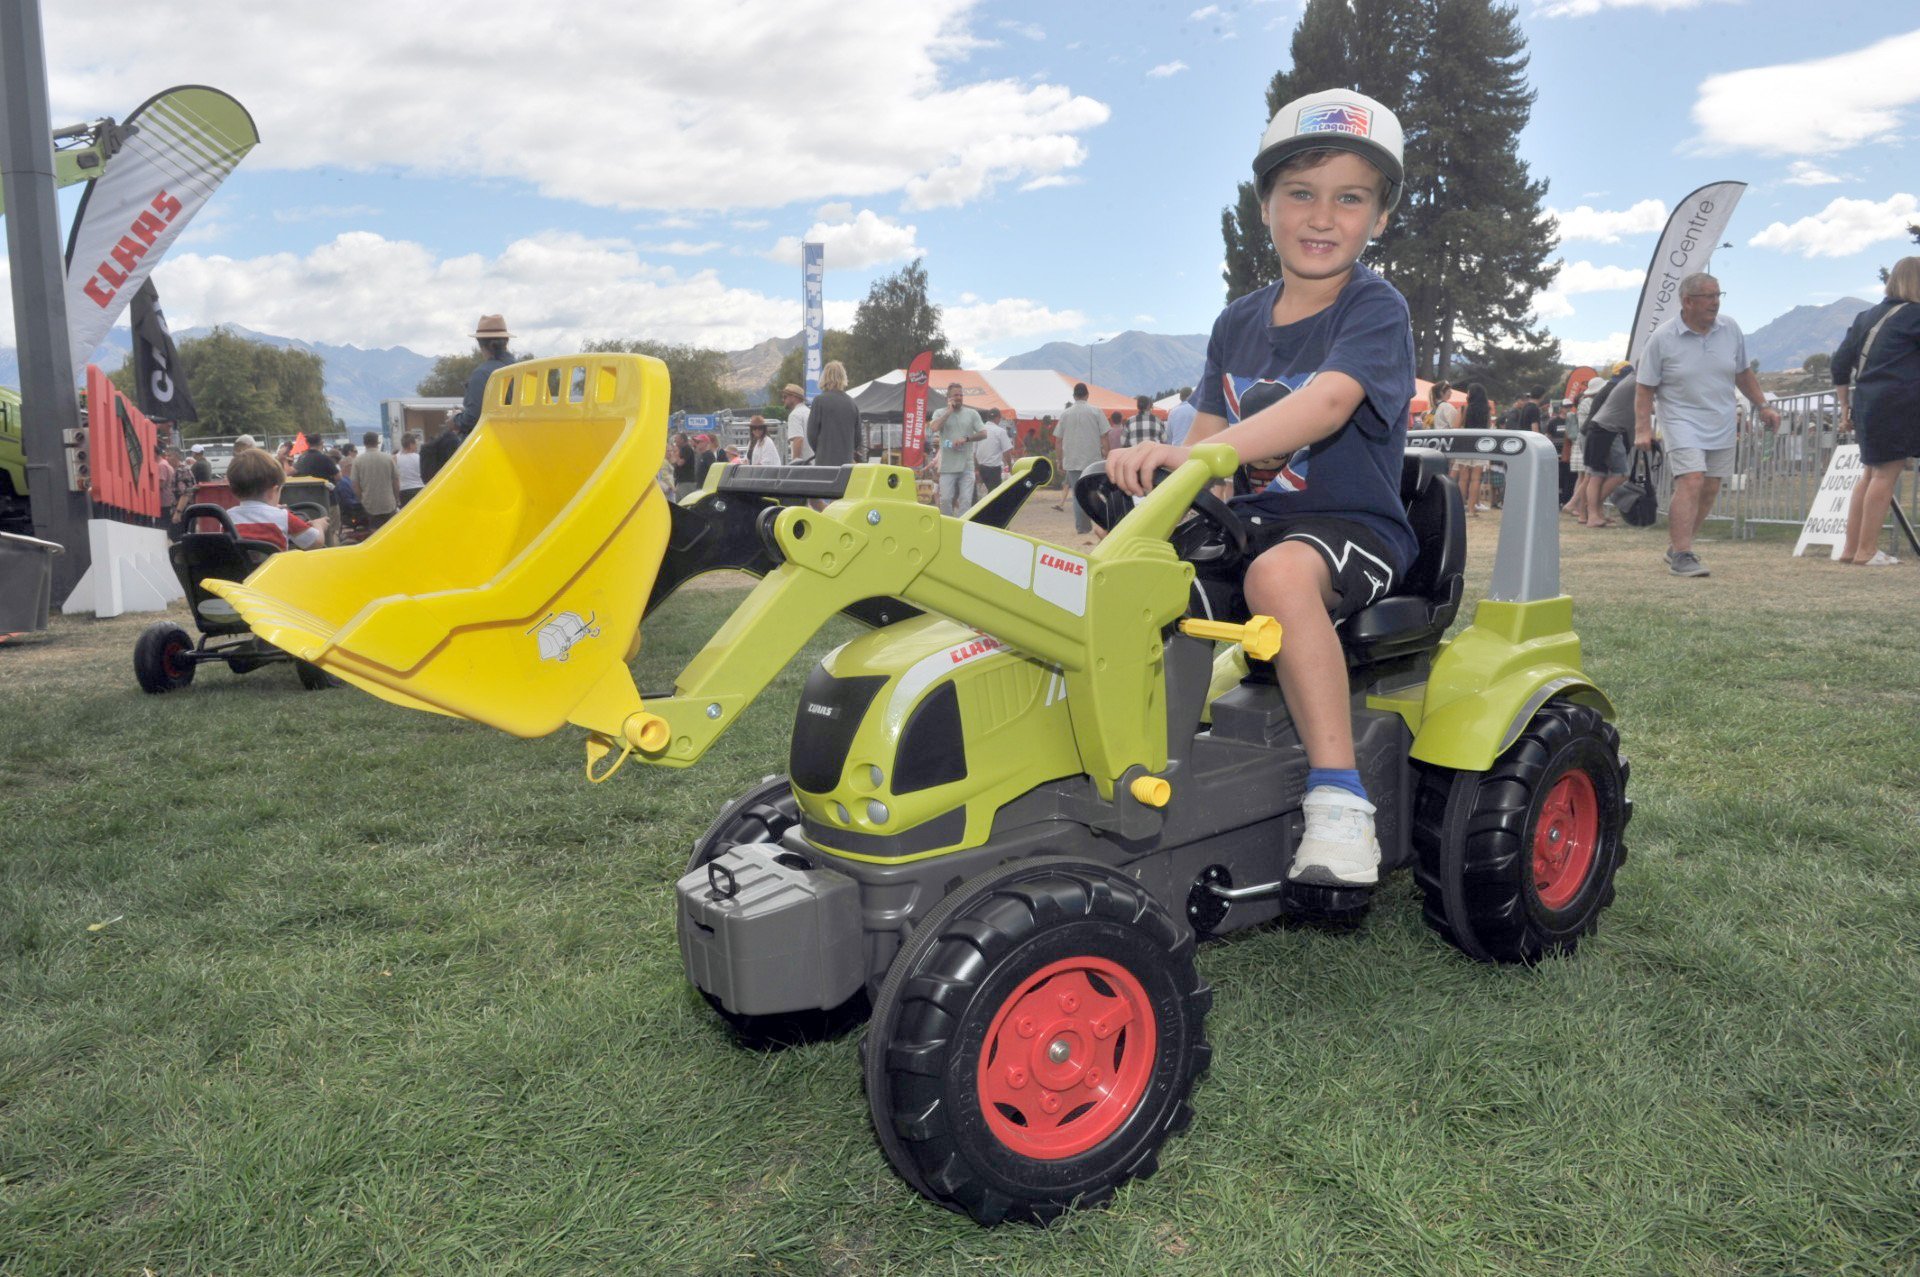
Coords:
pixel 1827 520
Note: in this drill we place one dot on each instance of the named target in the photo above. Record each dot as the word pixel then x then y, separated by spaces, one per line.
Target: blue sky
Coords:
pixel 598 169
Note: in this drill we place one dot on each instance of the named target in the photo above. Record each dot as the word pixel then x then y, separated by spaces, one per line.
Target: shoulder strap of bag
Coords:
pixel 1866 347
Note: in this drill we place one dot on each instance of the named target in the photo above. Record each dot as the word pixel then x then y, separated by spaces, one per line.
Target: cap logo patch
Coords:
pixel 1336 117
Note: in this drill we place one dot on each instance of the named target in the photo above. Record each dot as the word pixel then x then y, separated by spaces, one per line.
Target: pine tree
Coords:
pixel 1468 245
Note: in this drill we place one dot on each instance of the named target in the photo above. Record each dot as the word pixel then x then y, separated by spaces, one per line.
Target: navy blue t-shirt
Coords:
pixel 1353 473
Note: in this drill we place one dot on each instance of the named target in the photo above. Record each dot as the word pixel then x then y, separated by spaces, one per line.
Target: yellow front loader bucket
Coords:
pixel 510 590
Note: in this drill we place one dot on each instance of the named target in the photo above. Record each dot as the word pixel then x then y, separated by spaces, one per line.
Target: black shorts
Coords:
pixel 1356 556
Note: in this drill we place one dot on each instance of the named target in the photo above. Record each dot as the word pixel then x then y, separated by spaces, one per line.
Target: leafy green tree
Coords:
pixel 695 373
pixel 1820 365
pixel 836 344
pixel 448 376
pixel 1469 244
pixel 895 323
pixel 248 387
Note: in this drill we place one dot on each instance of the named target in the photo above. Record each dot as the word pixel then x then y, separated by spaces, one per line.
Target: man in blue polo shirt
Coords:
pixel 1689 369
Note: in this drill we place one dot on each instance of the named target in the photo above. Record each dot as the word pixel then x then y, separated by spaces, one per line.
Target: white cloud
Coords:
pixel 727 110
pixel 557 290
pixel 751 223
pixel 1606 226
pixel 867 240
pixel 683 248
pixel 1031 30
pixel 1584 8
pixel 673 223
pixel 1166 69
pixel 1582 277
pixel 1050 180
pixel 839 211
pixel 984 330
pixel 1806 173
pixel 1595 354
pixel 1811 108
pixel 1204 12
pixel 1843 228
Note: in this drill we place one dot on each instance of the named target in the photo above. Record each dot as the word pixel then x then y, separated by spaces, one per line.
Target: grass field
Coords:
pixel 302 983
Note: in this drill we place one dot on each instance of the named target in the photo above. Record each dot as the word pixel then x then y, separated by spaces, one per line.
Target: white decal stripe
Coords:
pixel 1007 556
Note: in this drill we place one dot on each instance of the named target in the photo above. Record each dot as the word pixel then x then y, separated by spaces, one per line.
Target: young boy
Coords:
pixel 256 478
pixel 1316 371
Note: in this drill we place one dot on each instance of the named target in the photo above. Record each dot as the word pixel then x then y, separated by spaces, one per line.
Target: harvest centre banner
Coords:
pixel 1686 246
pixel 180 146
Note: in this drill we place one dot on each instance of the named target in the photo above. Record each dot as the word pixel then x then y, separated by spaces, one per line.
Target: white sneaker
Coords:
pixel 1338 848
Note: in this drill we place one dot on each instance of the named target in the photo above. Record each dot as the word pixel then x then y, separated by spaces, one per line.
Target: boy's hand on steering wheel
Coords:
pixel 1131 469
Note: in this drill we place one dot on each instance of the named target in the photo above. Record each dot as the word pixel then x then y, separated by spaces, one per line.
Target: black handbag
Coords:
pixel 1636 500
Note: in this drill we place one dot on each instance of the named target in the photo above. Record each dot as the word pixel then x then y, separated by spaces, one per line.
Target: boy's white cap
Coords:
pixel 1341 120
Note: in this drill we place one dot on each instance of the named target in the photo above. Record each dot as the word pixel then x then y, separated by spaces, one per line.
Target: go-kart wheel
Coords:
pixel 763 814
pixel 1214 532
pixel 1518 862
pixel 1035 1042
pixel 160 658
pixel 312 677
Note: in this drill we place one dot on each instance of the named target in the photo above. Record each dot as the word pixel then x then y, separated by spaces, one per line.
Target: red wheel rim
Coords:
pixel 1067 1058
pixel 170 659
pixel 1564 838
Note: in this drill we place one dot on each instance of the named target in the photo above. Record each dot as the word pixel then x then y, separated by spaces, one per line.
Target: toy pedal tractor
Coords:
pixel 1015 805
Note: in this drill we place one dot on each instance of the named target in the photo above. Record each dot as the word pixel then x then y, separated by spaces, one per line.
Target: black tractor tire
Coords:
pixel 1517 863
pixel 312 677
pixel 159 658
pixel 999 1082
pixel 763 814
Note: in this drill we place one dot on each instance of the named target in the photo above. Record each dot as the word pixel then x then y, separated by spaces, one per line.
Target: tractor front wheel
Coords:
pixel 1035 1042
pixel 1518 862
pixel 162 658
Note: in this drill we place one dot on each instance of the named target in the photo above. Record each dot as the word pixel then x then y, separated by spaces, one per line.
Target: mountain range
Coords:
pixel 1131 362
pixel 1786 342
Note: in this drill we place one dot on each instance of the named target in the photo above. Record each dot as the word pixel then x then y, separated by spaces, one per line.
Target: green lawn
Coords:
pixel 305 983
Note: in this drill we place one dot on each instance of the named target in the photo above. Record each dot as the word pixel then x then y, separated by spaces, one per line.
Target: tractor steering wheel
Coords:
pixel 1213 533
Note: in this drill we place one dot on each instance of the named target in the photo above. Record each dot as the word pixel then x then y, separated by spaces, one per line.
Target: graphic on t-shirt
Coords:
pixel 1248 395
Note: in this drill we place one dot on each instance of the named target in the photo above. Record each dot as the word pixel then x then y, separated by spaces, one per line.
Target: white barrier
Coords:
pixel 130 572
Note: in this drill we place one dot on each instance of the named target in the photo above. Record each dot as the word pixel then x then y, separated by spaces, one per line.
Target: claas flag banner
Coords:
pixel 122 459
pixel 913 411
pixel 180 146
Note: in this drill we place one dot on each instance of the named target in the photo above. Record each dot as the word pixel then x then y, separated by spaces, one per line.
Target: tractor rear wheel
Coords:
pixel 1518 862
pixel 1036 1041
pixel 162 658
pixel 312 677
pixel 763 814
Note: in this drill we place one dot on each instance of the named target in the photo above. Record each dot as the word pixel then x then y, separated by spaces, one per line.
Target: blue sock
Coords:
pixel 1347 779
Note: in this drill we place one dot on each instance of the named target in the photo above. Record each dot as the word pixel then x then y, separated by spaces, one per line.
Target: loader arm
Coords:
pixel 1097 617
pixel 511 591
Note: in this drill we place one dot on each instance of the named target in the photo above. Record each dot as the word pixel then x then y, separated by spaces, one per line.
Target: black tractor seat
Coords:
pixel 1407 622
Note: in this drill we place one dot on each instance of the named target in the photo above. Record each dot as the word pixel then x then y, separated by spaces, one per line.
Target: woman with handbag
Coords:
pixel 1876 373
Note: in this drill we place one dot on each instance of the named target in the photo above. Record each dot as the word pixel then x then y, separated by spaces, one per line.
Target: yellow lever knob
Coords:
pixel 1150 791
pixel 649 732
pixel 1260 636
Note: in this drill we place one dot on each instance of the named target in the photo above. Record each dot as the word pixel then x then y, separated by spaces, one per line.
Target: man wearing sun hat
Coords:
pixel 492 334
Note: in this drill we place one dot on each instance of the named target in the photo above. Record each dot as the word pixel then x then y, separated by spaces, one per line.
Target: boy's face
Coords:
pixel 1321 218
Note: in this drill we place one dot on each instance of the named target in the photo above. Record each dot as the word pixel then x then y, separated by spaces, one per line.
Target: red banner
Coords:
pixel 122 458
pixel 913 411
